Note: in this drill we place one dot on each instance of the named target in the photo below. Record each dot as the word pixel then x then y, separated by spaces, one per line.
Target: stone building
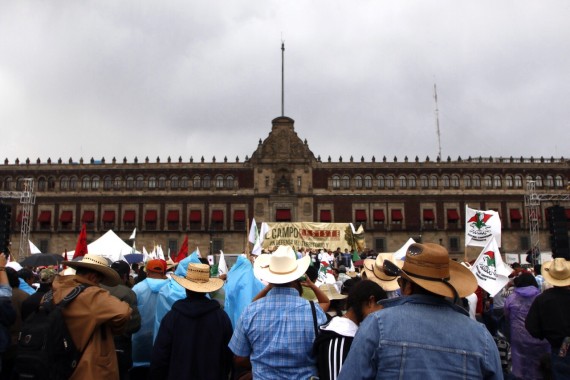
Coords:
pixel 212 202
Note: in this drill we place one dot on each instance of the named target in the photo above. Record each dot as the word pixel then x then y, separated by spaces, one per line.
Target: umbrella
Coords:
pixel 42 260
pixel 132 258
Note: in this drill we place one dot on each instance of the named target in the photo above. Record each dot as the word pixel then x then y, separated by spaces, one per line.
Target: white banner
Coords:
pixel 481 227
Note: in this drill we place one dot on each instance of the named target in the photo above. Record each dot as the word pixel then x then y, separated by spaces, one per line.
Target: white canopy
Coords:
pixel 109 246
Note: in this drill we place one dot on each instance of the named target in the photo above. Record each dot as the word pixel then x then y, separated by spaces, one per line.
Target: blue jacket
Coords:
pixel 421 337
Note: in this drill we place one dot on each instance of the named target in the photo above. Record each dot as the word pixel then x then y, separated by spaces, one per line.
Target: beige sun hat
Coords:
pixel 98 264
pixel 557 272
pixel 374 271
pixel 331 292
pixel 281 266
pixel 198 279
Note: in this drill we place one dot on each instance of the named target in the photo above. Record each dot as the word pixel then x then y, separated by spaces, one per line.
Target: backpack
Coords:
pixel 45 348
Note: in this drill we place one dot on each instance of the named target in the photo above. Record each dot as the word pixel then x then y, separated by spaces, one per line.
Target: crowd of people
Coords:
pixel 298 315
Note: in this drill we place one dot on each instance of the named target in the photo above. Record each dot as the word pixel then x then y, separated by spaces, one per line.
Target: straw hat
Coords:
pixel 198 279
pixel 557 272
pixel 98 264
pixel 429 266
pixel 374 271
pixel 281 266
pixel 331 292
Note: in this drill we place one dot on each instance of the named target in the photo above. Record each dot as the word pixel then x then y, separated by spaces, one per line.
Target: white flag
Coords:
pixel 481 227
pixel 222 266
pixel 491 272
pixel 253 234
pixel 145 254
pixel 133 235
pixel 33 248
pixel 160 253
pixel 198 252
pixel 257 247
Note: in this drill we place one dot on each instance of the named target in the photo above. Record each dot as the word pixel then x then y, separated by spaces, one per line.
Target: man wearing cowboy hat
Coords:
pixel 192 341
pixel 93 317
pixel 423 334
pixel 373 270
pixel 275 333
pixel 548 317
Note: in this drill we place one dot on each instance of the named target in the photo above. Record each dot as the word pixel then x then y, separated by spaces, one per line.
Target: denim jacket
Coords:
pixel 421 337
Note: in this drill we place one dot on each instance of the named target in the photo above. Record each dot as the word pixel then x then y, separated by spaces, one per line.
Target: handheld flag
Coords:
pixel 253 233
pixel 133 235
pixel 257 247
pixel 183 251
pixel 81 247
pixel 481 227
pixel 489 269
pixel 33 248
pixel 222 266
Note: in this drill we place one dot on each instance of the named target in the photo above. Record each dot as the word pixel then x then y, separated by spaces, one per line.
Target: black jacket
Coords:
pixel 548 316
pixel 192 342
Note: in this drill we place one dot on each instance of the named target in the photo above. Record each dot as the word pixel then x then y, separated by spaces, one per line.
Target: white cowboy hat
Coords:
pixel 374 271
pixel 281 266
pixel 98 264
pixel 198 279
pixel 331 292
pixel 557 272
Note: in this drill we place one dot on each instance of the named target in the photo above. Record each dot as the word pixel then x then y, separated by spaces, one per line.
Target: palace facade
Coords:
pixel 212 202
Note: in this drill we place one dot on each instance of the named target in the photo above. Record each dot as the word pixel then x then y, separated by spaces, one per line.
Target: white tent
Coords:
pixel 109 246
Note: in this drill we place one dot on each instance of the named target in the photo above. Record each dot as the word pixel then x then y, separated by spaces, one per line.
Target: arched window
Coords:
pixel 8 184
pixel 433 182
pixel 381 181
pixel 151 182
pixel 206 182
pixel 118 183
pixel 529 179
pixel 107 182
pixel 161 182
pixel 184 182
pixel 51 183
pixel 424 183
pixel 549 181
pixel 230 182
pixel 412 182
pixel 139 182
pixel 130 183
pixel 467 182
pixel 95 183
pixel 335 182
pixel 85 183
pixel 42 183
pixel 497 182
pixel 196 182
pixel 358 182
pixel 455 181
pixel 476 181
pixel 174 182
pixel 345 182
pixel 20 184
pixel 509 182
pixel 219 182
pixel 368 182
pixel 390 182
pixel 445 181
pixel 539 181
pixel 73 183
pixel 403 181
pixel 518 181
pixel 488 181
pixel 559 181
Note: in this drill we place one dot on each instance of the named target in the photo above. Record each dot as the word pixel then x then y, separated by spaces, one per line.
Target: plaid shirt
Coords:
pixel 277 333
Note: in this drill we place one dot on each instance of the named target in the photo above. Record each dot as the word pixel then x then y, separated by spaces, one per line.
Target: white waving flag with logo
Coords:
pixel 481 227
pixel 491 272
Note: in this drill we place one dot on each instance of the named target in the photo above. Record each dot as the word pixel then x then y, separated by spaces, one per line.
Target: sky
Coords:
pixel 203 78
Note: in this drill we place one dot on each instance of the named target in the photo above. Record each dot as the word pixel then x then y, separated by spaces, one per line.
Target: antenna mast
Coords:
pixel 282 78
pixel 437 121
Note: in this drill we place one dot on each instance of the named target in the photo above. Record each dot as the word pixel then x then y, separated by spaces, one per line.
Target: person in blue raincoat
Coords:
pixel 240 288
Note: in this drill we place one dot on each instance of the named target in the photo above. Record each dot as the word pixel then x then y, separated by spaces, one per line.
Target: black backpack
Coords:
pixel 45 348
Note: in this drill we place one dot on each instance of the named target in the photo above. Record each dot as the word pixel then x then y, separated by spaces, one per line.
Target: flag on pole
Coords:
pixel 160 252
pixel 258 245
pixel 222 266
pixel 33 248
pixel 145 254
pixel 183 251
pixel 481 227
pixel 81 247
pixel 197 251
pixel 253 233
pixel 489 269
pixel 133 235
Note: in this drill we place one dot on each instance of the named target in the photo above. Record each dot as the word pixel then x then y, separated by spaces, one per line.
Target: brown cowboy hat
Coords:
pixel 429 266
pixel 374 271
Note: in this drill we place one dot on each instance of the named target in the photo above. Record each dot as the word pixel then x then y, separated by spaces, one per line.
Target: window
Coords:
pixel 488 181
pixel 139 182
pixel 336 182
pixel 64 183
pixel 433 182
pixel 129 218
pixel 107 183
pixel 217 245
pixel 130 183
pixel 173 247
pixel 206 182
pixel 73 183
pixel 516 217
pixel 453 244
pixel 497 182
pixel 412 182
pixel 452 218
pixel 380 245
pixel 118 183
pixel 8 184
pixel 150 218
pixel 108 219
pixel 445 181
pixel 44 245
pixel 283 215
pixel 524 243
pixel 325 216
pixel 219 182
pixel 368 182
pixel 151 182
pixel 217 220
pixel 529 179
pixel 381 182
pixel 195 220
pixel 476 182
pixel 266 181
pixel 66 220
pixel 161 182
pixel 173 220
pixel 378 217
pixel 549 181
pixel 239 220
pixel 196 182
pixel 467 182
pixel 559 181
pixel 428 216
pixel 85 183
pixel 509 182
pixel 539 181
pixel 299 182
pixel 358 182
pixel 51 183
pixel 518 181
pixel 184 182
pixel 345 183
pixel 95 183
pixel 397 216
pixel 42 184
pixel 403 181
pixel 455 181
pixel 424 184
pixel 390 182
pixel 230 182
pixel 174 182
pixel 89 219
pixel 44 220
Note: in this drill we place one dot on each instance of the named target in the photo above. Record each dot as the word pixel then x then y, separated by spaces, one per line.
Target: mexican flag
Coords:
pixel 491 272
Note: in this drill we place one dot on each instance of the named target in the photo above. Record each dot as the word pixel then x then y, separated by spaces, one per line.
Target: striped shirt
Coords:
pixel 332 345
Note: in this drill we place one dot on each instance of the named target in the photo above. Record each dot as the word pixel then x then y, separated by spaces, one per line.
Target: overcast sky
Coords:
pixel 203 78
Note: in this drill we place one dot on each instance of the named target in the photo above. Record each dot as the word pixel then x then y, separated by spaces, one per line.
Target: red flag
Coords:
pixel 183 252
pixel 81 247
